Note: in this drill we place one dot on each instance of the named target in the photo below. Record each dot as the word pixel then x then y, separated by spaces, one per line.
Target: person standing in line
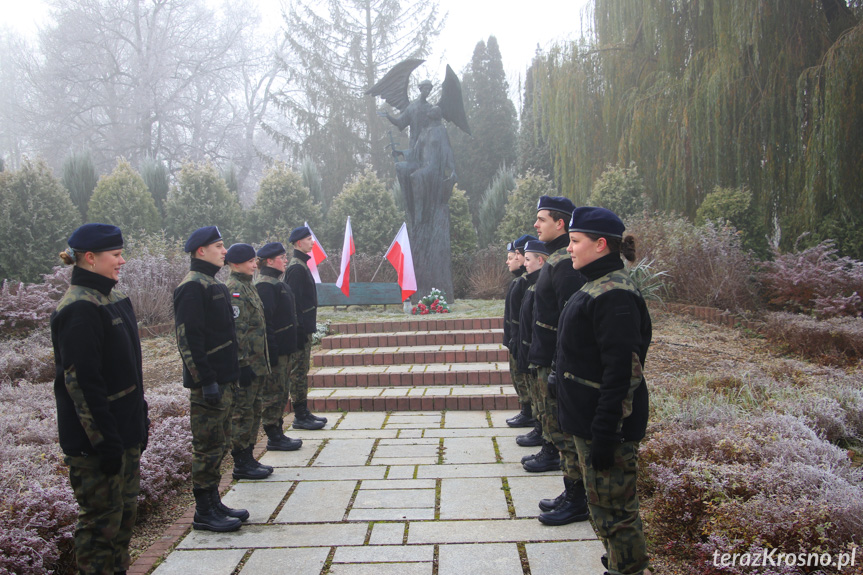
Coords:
pixel 281 320
pixel 299 278
pixel 512 306
pixel 253 359
pixel 207 341
pixel 99 388
pixel 604 333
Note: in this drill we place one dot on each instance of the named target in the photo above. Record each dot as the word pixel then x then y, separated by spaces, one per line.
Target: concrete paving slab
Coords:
pixel 572 558
pixel 401 514
pixel 384 554
pixel 325 473
pixel 317 502
pixel 394 498
pixel 468 450
pixel 401 472
pixel 498 418
pixel 464 419
pixel 343 452
pixel 480 498
pixel 280 535
pixel 527 491
pixel 404 460
pixel 302 561
pixel 428 449
pixel 387 534
pixel 259 498
pixel 328 433
pixel 398 484
pixel 512 452
pixel 216 562
pixel 496 531
pixel 411 433
pixel 381 569
pixel 363 420
pixel 468 470
pixel 297 458
pixel 395 392
pixel 489 559
pixel 473 432
pixel 401 440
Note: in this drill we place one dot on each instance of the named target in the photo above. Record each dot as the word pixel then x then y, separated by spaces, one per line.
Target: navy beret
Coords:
pixel 202 237
pixel 555 203
pixel 299 233
pixel 520 242
pixel 271 250
pixel 96 238
pixel 599 221
pixel 239 253
pixel 536 247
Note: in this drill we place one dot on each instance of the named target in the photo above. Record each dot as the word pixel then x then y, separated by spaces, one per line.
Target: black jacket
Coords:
pixel 605 331
pixel 525 322
pixel 279 311
pixel 299 279
pixel 510 309
pixel 557 281
pixel 98 381
pixel 204 324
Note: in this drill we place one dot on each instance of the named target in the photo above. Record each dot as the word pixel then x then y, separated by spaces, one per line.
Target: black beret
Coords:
pixel 202 237
pixel 520 242
pixel 299 233
pixel 555 203
pixel 96 238
pixel 599 221
pixel 239 253
pixel 271 250
pixel 536 247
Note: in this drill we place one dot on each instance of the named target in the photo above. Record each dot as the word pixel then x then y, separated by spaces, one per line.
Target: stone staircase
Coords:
pixel 412 365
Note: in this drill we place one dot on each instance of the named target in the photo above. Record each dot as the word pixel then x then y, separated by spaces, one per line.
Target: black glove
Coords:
pixel 212 394
pixel 111 464
pixel 146 435
pixel 602 454
pixel 246 375
pixel 552 385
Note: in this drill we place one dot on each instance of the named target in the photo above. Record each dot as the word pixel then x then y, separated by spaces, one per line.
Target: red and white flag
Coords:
pixel 318 256
pixel 400 256
pixel 344 281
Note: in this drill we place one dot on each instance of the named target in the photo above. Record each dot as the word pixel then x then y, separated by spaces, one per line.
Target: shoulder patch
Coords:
pixel 618 279
pixel 236 309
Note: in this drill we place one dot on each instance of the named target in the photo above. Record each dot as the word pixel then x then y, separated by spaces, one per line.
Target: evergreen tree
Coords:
pixel 333 56
pixel 533 152
pixel 520 211
pixel 620 190
pixel 283 203
pixel 201 198
pixel 733 206
pixel 312 180
pixel 374 217
pixel 122 199
pixel 36 219
pixel 493 121
pixel 462 232
pixel 493 206
pixel 80 178
pixel 155 176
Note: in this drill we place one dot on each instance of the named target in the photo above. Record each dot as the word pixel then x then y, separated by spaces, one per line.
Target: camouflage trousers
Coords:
pixel 274 391
pixel 519 382
pixel 300 373
pixel 246 418
pixel 107 508
pixel 551 427
pixel 211 436
pixel 613 503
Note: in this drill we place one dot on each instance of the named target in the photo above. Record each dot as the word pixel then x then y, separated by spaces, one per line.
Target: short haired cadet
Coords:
pixel 239 253
pixel 299 233
pixel 555 204
pixel 271 250
pixel 202 237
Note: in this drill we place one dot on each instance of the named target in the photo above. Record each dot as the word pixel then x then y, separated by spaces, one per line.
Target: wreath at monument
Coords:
pixel 434 302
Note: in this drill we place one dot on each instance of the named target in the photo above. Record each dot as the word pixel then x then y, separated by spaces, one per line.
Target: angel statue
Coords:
pixel 426 170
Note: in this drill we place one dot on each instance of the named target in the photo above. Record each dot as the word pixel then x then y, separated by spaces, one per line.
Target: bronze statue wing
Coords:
pixel 393 87
pixel 451 103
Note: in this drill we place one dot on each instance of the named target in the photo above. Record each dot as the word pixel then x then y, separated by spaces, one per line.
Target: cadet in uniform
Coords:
pixel 254 363
pixel 557 281
pixel 301 282
pixel 535 254
pixel 605 330
pixel 512 306
pixel 101 413
pixel 279 309
pixel 204 324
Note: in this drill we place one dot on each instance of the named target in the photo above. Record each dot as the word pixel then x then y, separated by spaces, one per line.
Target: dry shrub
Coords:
pixel 24 307
pixel 154 268
pixel 488 276
pixel 28 359
pixel 837 341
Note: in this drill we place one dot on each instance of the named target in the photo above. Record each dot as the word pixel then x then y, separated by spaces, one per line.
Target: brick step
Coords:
pixel 413 338
pixel 357 356
pixel 417 325
pixel 488 373
pixel 419 398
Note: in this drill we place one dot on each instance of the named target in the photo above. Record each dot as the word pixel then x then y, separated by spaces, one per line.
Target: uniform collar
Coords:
pixel 604 265
pixel 519 272
pixel 533 276
pixel 302 256
pixel 242 277
pixel 199 265
pixel 269 272
pixel 560 241
pixel 92 280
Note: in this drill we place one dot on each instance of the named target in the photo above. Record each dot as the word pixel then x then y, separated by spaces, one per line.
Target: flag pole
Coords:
pixel 374 275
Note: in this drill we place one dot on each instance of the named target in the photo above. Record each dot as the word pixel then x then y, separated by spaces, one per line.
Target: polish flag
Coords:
pixel 400 256
pixel 344 281
pixel 318 256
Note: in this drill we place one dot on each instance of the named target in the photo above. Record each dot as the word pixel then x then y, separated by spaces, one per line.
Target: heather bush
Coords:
pixel 27 359
pixel 24 307
pixel 154 267
pixel 815 280
pixel 837 340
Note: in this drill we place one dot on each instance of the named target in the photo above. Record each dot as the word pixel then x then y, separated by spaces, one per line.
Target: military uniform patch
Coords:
pixel 236 311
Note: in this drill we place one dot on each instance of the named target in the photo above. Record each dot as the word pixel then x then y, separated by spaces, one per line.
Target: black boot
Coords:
pixel 573 507
pixel 251 450
pixel 207 517
pixel 551 504
pixel 318 417
pixel 240 514
pixel 278 441
pixel 244 466
pixel 533 438
pixel 548 459
pixel 303 419
pixel 522 418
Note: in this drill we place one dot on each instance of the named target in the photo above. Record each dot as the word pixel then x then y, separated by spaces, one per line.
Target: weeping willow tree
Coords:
pixel 766 94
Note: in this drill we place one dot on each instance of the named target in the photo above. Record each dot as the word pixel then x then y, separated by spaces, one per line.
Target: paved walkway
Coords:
pixel 395 493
